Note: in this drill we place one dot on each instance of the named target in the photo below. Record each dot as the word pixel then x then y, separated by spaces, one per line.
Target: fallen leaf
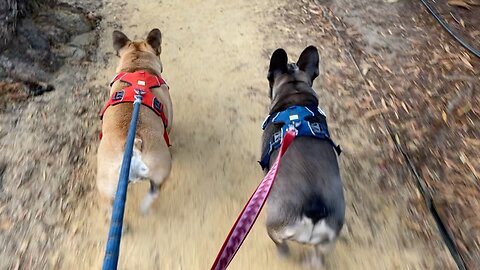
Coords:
pixel 314 11
pixel 444 116
pixel 447 49
pixel 466 62
pixel 384 104
pixel 5 225
pixel 375 112
pixel 459 3
pixel 450 164
pixel 464 109
pixel 404 106
pixel 365 68
pixel 371 85
pixel 472 141
pixel 473 2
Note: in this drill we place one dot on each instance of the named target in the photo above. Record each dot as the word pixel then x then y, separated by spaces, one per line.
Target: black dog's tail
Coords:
pixel 315 209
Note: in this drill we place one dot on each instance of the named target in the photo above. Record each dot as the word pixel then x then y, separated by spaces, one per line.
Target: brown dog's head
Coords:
pixel 139 54
pixel 292 83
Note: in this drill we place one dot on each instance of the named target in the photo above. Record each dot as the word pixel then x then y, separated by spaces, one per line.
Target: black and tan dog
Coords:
pixel 151 158
pixel 306 203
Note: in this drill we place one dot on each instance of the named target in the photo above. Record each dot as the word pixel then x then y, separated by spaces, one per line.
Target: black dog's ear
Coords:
pixel 278 64
pixel 119 40
pixel 309 62
pixel 154 39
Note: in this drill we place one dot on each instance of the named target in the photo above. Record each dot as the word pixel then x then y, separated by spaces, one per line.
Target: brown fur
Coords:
pixel 135 55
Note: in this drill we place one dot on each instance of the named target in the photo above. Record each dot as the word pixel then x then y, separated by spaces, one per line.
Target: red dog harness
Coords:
pixel 139 80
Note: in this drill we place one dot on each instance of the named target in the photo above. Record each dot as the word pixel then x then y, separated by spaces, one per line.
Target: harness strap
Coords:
pixel 159 80
pixel 309 121
pixel 144 81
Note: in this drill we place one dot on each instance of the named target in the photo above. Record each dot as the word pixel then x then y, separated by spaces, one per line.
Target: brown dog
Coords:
pixel 151 155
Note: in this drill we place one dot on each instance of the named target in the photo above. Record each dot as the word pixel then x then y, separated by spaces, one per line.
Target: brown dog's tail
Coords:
pixel 138 168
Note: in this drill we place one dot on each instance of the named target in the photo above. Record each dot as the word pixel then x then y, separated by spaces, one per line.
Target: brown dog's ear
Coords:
pixel 119 40
pixel 154 39
pixel 308 62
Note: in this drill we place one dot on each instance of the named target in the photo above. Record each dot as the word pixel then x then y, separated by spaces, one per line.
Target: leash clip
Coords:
pixel 138 96
pixel 139 92
pixel 293 127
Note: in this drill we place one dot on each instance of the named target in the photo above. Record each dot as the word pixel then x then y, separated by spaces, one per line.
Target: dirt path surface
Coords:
pixel 215 56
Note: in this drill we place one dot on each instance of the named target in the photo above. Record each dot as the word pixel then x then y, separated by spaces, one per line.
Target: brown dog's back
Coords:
pixel 151 156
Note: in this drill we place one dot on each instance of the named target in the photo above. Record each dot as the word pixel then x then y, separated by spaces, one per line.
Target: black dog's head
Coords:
pixel 293 79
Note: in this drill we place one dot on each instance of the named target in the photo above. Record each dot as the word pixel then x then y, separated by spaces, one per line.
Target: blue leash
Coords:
pixel 112 252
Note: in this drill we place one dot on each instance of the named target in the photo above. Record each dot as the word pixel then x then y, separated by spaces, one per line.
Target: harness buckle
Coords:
pixel 138 96
pixel 293 126
pixel 139 92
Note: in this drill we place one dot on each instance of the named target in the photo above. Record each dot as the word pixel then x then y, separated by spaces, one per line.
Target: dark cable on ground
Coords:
pixel 421 185
pixel 447 28
pixel 429 202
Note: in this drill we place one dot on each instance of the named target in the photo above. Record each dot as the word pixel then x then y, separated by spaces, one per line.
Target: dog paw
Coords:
pixel 314 262
pixel 145 208
pixel 283 250
pixel 147 203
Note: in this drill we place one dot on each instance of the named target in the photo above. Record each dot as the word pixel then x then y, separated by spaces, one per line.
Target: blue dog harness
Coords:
pixel 308 121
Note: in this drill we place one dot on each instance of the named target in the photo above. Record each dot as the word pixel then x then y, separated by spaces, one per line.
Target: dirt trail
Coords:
pixel 215 55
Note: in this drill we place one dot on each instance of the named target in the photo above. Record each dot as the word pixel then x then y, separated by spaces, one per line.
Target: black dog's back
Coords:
pixel 308 185
pixel 306 203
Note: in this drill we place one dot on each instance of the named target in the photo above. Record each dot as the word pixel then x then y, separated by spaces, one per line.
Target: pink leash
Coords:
pixel 250 212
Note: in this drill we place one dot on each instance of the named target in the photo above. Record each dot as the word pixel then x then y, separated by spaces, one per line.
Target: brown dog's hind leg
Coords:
pixel 151 196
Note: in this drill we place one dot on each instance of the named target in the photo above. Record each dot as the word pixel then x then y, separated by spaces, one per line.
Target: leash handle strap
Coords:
pixel 250 212
pixel 112 252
